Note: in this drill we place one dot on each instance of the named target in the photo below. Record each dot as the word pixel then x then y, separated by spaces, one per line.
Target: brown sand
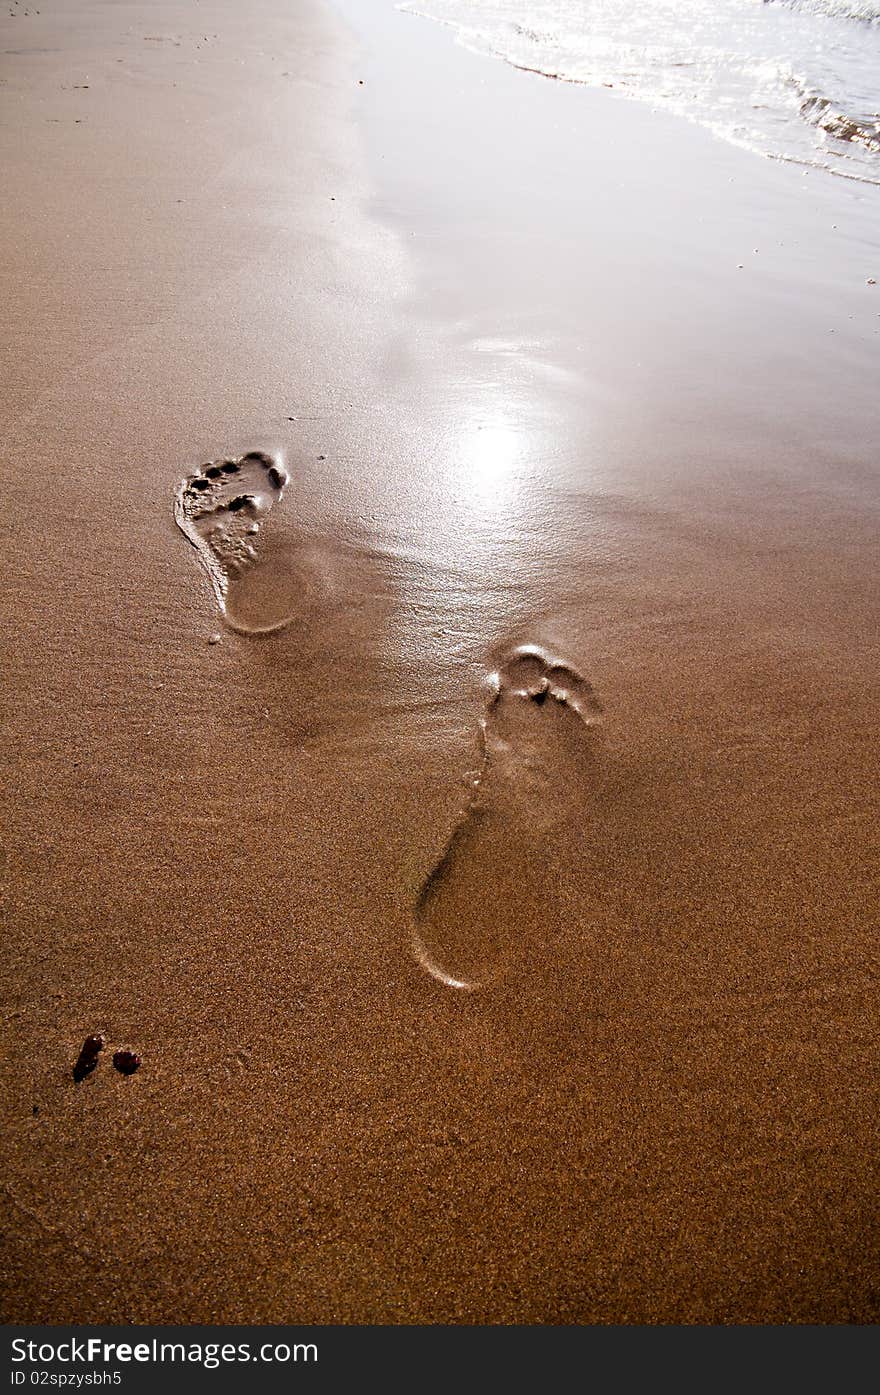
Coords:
pixel 525 395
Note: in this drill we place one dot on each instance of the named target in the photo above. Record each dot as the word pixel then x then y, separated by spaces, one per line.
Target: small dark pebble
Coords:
pixel 88 1056
pixel 214 472
pixel 322 457
pixel 36 1110
pixel 126 1062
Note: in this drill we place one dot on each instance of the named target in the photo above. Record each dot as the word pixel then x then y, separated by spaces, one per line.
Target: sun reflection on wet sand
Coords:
pixel 489 454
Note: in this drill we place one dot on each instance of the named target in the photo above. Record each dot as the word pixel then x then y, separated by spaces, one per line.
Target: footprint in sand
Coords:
pixel 221 510
pixel 491 891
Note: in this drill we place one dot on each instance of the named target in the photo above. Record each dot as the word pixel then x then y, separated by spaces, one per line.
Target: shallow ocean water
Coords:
pixel 795 80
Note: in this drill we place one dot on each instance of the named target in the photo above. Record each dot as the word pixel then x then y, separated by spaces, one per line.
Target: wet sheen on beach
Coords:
pixel 441 673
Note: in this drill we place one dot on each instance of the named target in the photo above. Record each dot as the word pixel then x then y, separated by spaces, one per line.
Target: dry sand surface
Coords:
pixel 491 894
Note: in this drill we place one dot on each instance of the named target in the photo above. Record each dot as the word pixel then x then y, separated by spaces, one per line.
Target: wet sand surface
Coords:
pixel 547 416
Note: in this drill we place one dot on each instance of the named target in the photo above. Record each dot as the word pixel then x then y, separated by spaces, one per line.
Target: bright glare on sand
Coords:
pixel 489 454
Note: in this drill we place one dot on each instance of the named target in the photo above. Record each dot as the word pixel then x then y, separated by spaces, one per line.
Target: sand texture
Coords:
pixel 440 673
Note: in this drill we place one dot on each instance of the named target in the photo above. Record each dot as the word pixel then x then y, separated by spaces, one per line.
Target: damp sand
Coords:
pixel 495 931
